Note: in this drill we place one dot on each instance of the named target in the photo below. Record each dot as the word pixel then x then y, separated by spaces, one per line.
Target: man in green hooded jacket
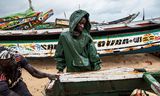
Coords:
pixel 75 49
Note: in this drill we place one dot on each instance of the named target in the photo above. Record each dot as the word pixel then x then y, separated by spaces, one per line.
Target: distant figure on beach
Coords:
pixel 11 82
pixel 76 50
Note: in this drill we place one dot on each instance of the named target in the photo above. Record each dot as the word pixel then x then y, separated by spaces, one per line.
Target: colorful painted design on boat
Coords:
pixel 24 21
pixel 113 44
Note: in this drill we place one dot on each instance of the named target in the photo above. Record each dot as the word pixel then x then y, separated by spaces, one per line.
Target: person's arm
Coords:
pixel 59 56
pixel 38 74
pixel 33 71
pixel 94 56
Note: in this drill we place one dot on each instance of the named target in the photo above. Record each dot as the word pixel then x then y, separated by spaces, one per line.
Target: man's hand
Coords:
pixel 53 76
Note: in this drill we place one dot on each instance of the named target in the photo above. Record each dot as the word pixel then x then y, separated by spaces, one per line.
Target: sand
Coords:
pixel 36 86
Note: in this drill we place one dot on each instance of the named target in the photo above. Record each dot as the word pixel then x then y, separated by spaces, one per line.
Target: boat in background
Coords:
pixel 20 33
pixel 135 37
pixel 59 23
pixel 24 20
pixel 64 23
pixel 127 19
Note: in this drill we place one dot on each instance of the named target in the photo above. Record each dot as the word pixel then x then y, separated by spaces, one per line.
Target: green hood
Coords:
pixel 75 19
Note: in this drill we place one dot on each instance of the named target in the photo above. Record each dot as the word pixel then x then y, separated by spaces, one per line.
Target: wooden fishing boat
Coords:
pixel 113 82
pixel 127 19
pixel 135 37
pixel 24 20
pixel 30 19
pixel 64 23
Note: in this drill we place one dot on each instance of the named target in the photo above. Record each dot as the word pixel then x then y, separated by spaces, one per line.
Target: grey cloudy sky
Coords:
pixel 100 10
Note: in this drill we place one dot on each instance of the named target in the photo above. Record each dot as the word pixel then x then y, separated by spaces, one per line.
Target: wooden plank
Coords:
pixel 113 74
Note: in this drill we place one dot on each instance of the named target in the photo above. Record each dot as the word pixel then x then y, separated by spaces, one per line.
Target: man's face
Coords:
pixel 80 26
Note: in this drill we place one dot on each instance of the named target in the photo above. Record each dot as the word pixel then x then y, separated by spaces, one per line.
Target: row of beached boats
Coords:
pixel 123 38
pixel 18 32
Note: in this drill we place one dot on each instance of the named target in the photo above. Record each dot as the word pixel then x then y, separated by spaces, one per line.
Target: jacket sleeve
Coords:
pixel 59 56
pixel 5 91
pixel 94 56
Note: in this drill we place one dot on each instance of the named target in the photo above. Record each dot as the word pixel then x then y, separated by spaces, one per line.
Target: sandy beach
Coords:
pixel 36 86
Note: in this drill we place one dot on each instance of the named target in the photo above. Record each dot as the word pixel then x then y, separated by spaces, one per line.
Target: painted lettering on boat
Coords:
pixel 48 46
pixel 103 43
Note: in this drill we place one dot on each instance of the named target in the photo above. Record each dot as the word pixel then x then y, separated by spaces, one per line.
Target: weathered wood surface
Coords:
pixel 113 82
pixel 112 74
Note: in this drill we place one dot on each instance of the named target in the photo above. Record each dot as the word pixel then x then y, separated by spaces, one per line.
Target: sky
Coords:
pixel 99 10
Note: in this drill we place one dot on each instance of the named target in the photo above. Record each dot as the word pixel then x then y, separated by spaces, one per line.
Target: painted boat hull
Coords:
pixel 144 39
